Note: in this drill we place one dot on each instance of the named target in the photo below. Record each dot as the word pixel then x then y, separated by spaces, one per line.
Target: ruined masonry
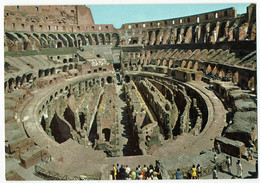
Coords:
pixel 80 94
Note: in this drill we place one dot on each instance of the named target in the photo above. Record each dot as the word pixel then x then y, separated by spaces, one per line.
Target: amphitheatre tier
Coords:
pixel 83 95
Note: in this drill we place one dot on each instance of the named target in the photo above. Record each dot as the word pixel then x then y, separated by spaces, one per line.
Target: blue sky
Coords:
pixel 120 14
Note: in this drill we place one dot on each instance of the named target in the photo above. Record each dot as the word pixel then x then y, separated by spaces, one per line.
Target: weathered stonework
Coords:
pixel 78 94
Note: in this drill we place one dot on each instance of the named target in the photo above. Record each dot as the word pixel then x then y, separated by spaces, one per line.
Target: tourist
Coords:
pixel 214 171
pixel 218 148
pixel 144 170
pixel 114 172
pixel 249 153
pixel 128 177
pixel 133 175
pixel 122 172
pixel 178 174
pixel 149 177
pixel 155 176
pixel 137 171
pixel 117 168
pixel 228 163
pixel 193 172
pixel 127 170
pixel 215 158
pixel 149 171
pixel 198 171
pixel 239 169
pixel 140 176
pixel 157 169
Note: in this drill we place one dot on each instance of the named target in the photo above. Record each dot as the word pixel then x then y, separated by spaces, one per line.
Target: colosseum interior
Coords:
pixel 80 94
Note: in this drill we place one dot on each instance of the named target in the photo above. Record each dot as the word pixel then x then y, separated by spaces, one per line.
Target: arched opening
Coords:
pixel 59 44
pixel 82 120
pixel 102 82
pixel 135 41
pixel 43 123
pixel 251 84
pixel 235 77
pixel 115 39
pixel 69 116
pixel 107 38
pixel 127 79
pixel 40 73
pixel 70 60
pixel 106 133
pixel 109 79
pixel 59 129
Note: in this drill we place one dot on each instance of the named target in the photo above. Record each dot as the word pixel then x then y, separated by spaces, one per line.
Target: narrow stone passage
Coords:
pixel 124 134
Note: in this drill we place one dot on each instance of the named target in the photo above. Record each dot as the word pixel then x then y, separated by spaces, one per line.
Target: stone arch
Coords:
pixel 235 77
pixel 222 73
pixel 81 40
pixel 222 30
pixel 164 62
pixel 157 37
pixel 65 68
pixel 23 79
pixel 101 38
pixel 36 38
pixel 59 129
pixel 11 84
pixel 151 37
pixel 25 40
pixel 69 39
pixel 53 36
pixel 170 64
pixel 214 71
pixel 115 39
pixel 74 40
pixel 194 34
pixel 52 70
pixel 46 72
pixel 127 79
pixel 189 65
pixel 251 83
pixel 45 43
pixel 69 116
pixel 51 97
pixel 106 133
pixel 43 123
pixel 88 37
pixel 109 79
pixel 183 64
pixel 64 41
pixel 40 73
pixel 178 33
pixel 208 70
pixel 102 82
pixel 94 39
pixel 203 34
pixel 107 38
pixel 52 40
pixel 17 81
pixel 158 62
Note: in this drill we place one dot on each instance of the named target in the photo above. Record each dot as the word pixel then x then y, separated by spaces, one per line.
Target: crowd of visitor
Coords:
pixel 124 172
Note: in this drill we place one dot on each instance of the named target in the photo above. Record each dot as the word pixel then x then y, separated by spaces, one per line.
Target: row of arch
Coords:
pixel 76 88
pixel 58 40
pixel 28 79
pixel 200 33
pixel 246 78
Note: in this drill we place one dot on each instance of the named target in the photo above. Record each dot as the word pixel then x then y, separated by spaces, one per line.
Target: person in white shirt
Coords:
pixel 239 169
pixel 128 169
